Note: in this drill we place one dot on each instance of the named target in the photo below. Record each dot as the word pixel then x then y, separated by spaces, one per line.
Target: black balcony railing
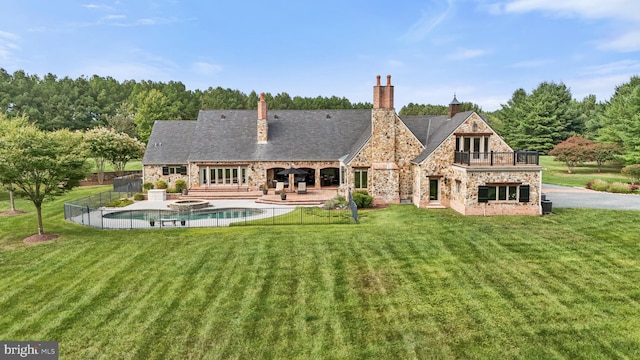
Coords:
pixel 492 158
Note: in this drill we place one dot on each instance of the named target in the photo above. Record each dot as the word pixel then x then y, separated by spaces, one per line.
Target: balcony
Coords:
pixel 516 158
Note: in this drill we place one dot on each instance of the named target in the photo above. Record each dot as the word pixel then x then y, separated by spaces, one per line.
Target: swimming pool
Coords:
pixel 222 213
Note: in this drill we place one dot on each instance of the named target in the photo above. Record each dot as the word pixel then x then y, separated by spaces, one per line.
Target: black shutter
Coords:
pixel 524 193
pixel 183 170
pixel 165 170
pixel 483 194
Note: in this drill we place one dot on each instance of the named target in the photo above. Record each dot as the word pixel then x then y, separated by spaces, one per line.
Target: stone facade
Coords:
pixel 458 184
pixel 153 173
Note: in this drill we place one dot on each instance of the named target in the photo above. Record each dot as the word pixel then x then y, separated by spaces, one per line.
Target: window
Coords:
pixel 171 170
pixel 507 192
pixel 360 181
pixel 224 175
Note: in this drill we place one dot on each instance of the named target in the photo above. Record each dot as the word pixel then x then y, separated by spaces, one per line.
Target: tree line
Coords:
pixel 130 107
pixel 536 120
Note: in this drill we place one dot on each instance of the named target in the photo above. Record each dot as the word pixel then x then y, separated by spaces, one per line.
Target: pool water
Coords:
pixel 226 213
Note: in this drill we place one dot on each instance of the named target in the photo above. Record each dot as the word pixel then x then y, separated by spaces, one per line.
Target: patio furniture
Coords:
pixel 302 187
pixel 279 187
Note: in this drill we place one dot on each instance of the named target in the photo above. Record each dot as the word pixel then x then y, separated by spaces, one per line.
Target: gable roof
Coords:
pixel 231 135
pixel 168 142
pixel 438 129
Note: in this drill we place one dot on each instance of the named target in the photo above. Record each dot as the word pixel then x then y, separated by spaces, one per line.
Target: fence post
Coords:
pixel 491 157
pixel 515 156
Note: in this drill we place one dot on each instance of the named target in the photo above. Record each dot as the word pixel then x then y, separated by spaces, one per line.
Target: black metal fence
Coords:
pixel 91 212
pixel 496 158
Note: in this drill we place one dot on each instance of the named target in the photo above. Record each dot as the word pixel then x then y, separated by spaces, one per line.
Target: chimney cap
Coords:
pixel 261 96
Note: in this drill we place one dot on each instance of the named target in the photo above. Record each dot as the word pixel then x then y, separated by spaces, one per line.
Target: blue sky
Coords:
pixel 482 50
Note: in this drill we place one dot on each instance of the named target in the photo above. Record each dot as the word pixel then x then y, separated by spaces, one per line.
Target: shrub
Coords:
pixel 180 185
pixel 589 184
pixel 634 187
pixel 599 185
pixel 172 190
pixel 336 203
pixel 362 199
pixel 147 186
pixel 620 188
pixel 138 197
pixel 632 171
pixel 161 184
pixel 120 202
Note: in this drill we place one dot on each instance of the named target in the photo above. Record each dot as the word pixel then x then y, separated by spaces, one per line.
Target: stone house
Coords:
pixel 455 160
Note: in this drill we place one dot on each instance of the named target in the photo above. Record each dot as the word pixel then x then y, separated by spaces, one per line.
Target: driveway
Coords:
pixel 572 197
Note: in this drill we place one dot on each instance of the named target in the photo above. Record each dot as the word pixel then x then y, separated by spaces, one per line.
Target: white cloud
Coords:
pixel 429 20
pixel 623 66
pixel 8 45
pixel 204 68
pixel 465 54
pixel 97 7
pixel 592 9
pixel 627 42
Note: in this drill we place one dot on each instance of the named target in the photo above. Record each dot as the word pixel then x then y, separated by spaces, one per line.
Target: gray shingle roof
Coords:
pixel 439 130
pixel 169 142
pixel 231 135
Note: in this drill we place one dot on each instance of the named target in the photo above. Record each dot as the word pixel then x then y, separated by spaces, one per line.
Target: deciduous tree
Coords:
pixel 41 164
pixel 573 151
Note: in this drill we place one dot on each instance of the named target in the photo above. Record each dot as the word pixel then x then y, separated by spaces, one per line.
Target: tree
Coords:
pixel 151 106
pixel 41 164
pixel 122 121
pixel 5 125
pixel 604 152
pixel 541 120
pixel 632 171
pixel 573 151
pixel 621 120
pixel 122 150
pixel 107 145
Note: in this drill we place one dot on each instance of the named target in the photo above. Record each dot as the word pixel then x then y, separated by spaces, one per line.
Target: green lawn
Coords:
pixel 405 283
pixel 131 165
pixel 555 172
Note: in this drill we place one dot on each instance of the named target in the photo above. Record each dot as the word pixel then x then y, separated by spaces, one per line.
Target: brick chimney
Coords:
pixel 383 95
pixel 454 107
pixel 263 126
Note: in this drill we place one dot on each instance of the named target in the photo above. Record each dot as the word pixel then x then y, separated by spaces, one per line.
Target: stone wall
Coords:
pixel 465 195
pixel 153 173
pixel 440 162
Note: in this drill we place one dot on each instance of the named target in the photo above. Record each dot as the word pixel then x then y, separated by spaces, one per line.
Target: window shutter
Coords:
pixel 524 193
pixel 165 170
pixel 183 170
pixel 483 194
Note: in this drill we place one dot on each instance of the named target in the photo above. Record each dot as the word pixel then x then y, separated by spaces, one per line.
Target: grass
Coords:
pixel 405 283
pixel 555 172
pixel 131 166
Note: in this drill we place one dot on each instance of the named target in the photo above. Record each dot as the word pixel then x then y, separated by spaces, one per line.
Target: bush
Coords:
pixel 634 187
pixel 620 188
pixel 589 184
pixel 147 186
pixel 180 185
pixel 599 185
pixel 362 199
pixel 161 184
pixel 632 171
pixel 172 190
pixel 138 197
pixel 337 202
pixel 120 202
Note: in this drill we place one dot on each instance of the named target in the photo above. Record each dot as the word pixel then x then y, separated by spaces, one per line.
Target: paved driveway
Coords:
pixel 570 197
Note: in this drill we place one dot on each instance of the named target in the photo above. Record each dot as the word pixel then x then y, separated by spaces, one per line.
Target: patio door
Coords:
pixel 434 189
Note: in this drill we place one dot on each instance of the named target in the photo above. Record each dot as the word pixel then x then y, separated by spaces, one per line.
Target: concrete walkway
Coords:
pixel 573 197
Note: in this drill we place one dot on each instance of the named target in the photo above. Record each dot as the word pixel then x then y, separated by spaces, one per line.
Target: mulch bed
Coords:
pixel 9 213
pixel 40 238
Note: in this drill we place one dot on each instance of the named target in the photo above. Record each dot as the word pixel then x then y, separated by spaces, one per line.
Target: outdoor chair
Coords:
pixel 302 187
pixel 279 187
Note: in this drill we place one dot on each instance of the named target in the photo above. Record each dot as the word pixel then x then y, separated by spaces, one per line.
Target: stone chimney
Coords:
pixel 454 107
pixel 263 126
pixel 383 95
